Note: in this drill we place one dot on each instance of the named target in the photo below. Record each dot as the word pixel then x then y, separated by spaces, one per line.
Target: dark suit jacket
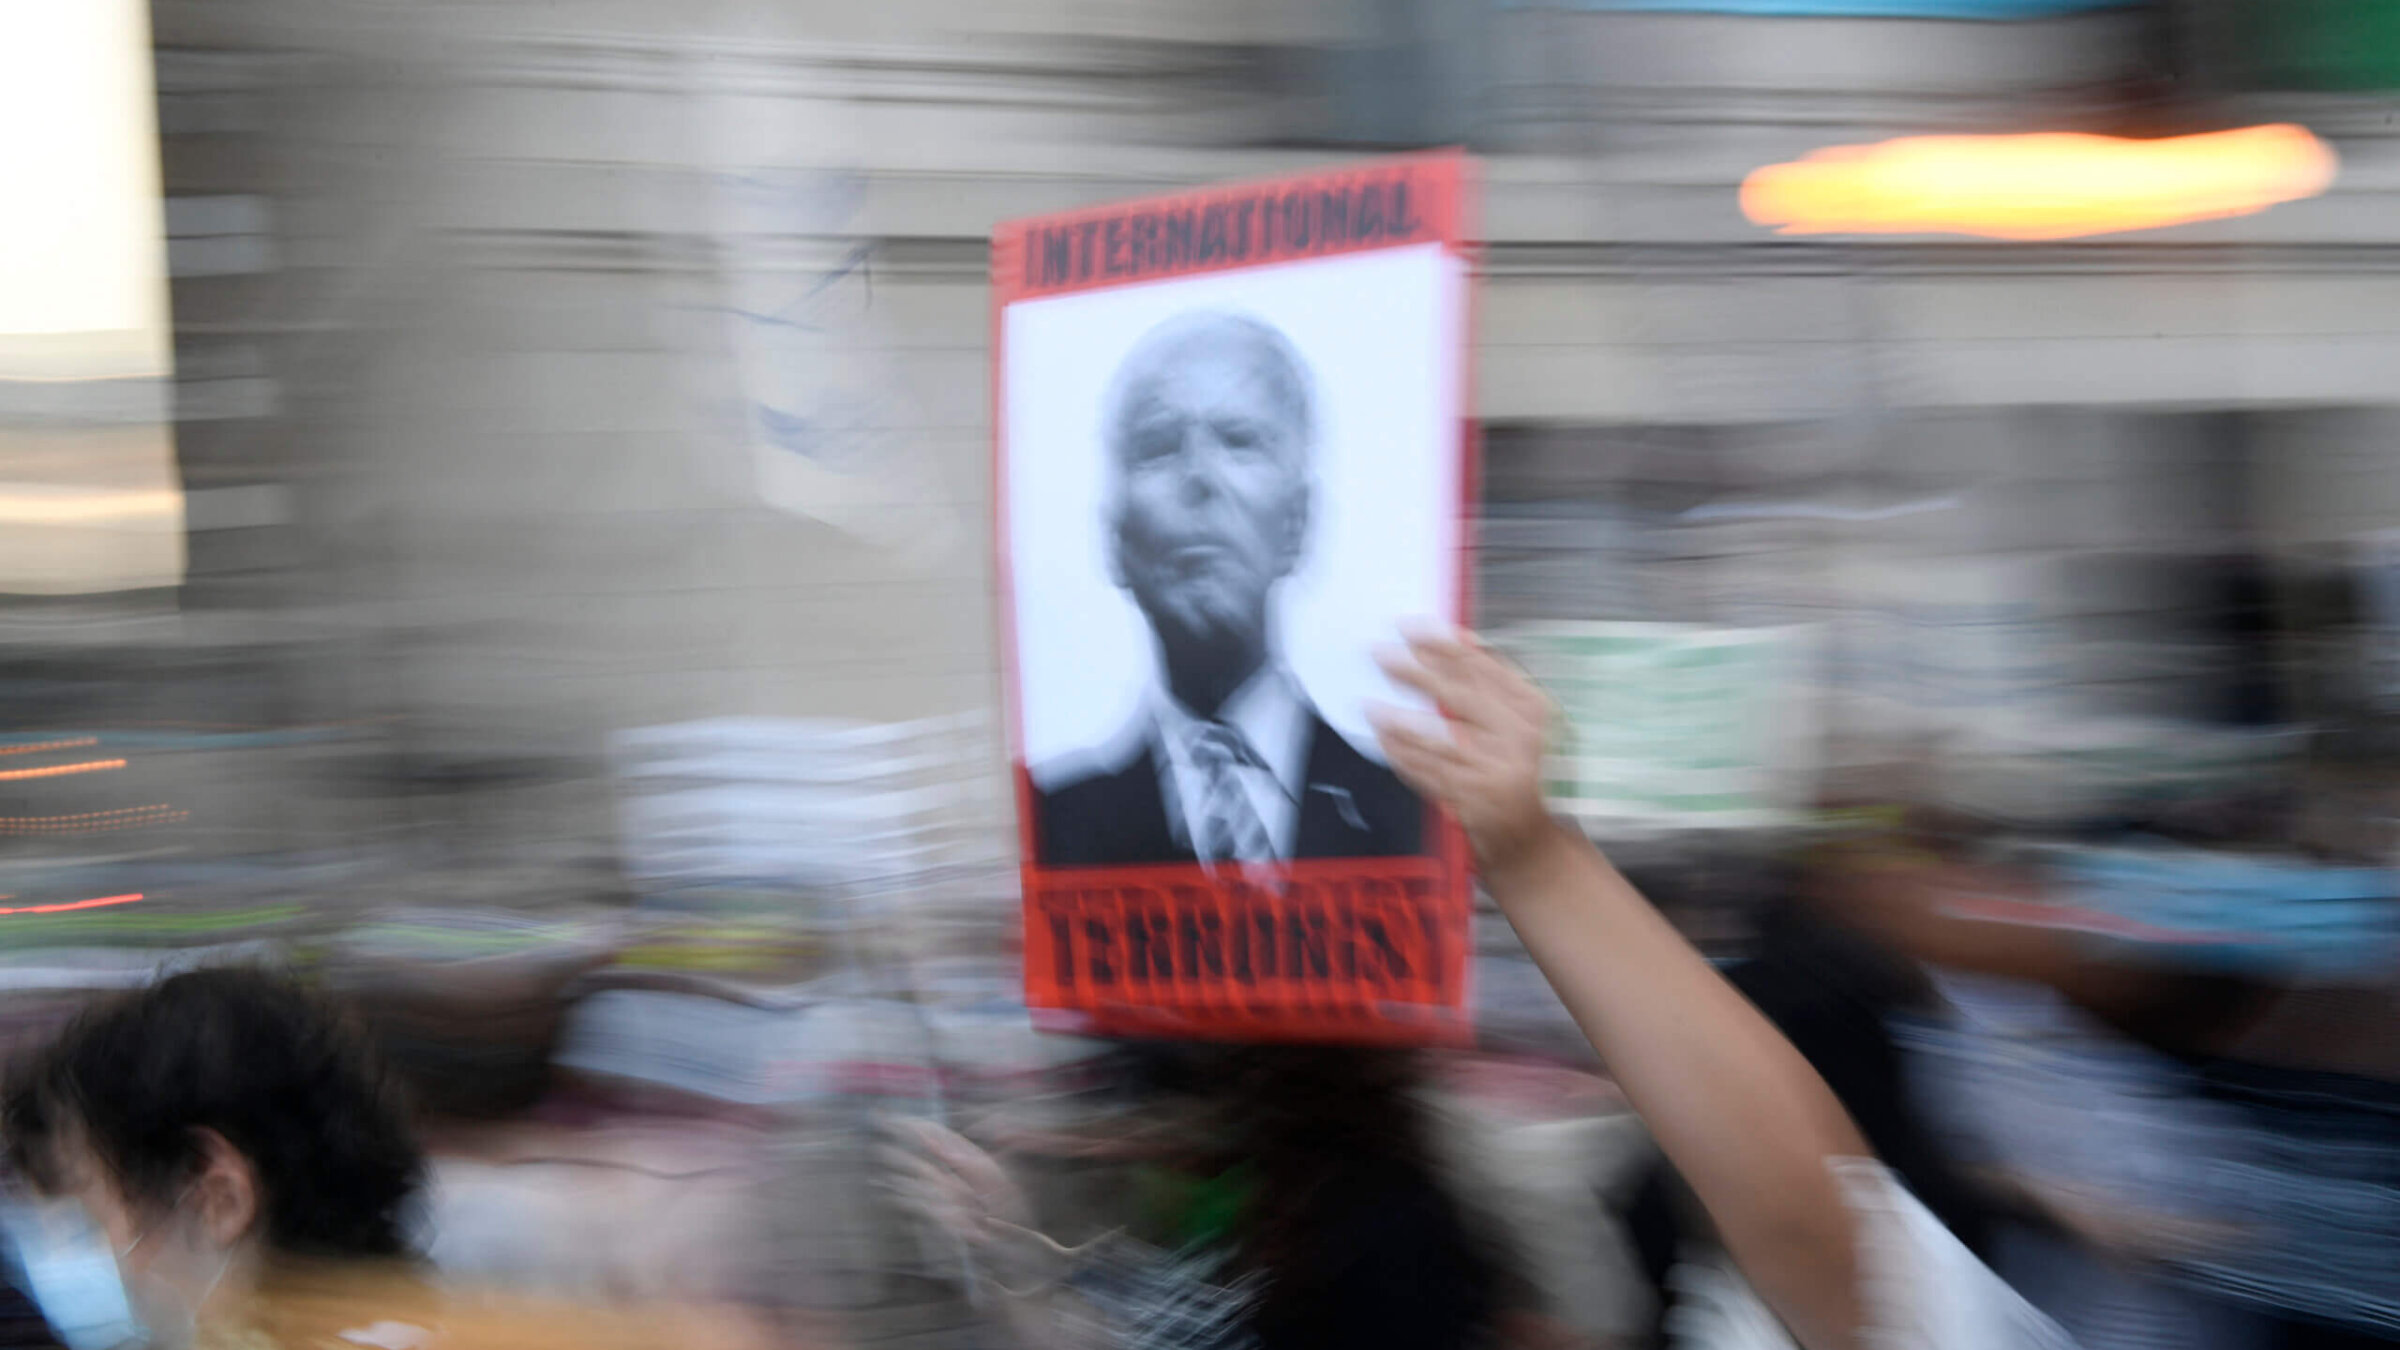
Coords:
pixel 1350 807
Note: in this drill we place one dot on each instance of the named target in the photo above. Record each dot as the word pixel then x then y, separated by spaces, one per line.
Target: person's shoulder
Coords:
pixel 1096 770
pixel 1102 806
pixel 1401 1268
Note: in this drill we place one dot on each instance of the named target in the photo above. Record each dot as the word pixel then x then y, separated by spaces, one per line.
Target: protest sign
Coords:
pixel 1233 452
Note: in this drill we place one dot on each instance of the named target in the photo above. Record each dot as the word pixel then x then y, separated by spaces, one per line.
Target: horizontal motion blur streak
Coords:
pixel 2052 185
pixel 78 743
pixel 95 903
pixel 61 770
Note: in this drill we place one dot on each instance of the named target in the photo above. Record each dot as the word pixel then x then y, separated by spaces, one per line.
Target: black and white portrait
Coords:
pixel 1223 493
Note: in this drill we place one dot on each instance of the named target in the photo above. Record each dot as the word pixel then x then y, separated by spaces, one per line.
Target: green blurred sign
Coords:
pixel 2327 44
pixel 1673 725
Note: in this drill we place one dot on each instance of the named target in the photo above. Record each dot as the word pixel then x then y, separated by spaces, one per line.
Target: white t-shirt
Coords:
pixel 1920 1288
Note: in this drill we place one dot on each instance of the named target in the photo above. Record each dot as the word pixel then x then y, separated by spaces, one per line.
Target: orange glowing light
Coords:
pixel 2051 185
pixel 80 816
pixel 76 744
pixel 74 904
pixel 61 770
pixel 94 822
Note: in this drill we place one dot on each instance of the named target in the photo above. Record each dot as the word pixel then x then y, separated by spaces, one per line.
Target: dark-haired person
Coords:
pixel 22 1326
pixel 1309 1212
pixel 246 1174
pixel 1834 993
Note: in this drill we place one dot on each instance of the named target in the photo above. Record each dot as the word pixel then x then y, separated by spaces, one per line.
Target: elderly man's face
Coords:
pixel 1212 503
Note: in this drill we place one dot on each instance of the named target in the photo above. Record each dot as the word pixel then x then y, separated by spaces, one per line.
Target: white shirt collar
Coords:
pixel 1269 711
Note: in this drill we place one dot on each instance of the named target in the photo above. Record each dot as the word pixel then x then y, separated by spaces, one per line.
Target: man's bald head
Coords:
pixel 1212 337
pixel 1209 425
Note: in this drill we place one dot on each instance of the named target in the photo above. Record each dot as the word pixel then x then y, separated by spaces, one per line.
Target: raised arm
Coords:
pixel 1731 1103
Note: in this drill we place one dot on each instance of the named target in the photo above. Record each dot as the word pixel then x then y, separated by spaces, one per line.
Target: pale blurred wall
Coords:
pixel 465 312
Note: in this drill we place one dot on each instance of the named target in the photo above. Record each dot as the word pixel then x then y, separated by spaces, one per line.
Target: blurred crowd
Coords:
pixel 2161 1119
pixel 504 829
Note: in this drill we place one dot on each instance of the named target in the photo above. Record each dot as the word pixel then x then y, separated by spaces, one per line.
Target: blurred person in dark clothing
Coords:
pixel 1306 1212
pixel 249 1179
pixel 2062 1077
pixel 21 1324
pixel 1833 992
pixel 1363 1242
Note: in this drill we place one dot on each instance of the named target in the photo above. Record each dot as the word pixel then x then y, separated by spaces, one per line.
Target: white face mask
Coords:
pixel 67 1267
pixel 78 1281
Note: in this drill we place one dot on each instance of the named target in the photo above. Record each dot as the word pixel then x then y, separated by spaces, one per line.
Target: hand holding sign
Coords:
pixel 1689 1051
pixel 1482 757
pixel 942 1179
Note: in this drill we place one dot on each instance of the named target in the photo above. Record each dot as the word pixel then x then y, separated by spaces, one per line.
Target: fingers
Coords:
pixel 1413 726
pixel 1517 688
pixel 1431 667
pixel 948 1176
pixel 1401 666
pixel 1499 682
pixel 916 1156
pixel 1420 749
pixel 918 1132
pixel 947 1146
pixel 1464 678
pixel 1424 626
pixel 910 1168
pixel 953 1149
pixel 932 1194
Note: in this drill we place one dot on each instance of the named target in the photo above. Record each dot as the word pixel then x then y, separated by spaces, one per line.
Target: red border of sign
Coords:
pixel 1440 208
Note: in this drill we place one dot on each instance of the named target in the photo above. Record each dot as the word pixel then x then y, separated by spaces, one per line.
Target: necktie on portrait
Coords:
pixel 1226 828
